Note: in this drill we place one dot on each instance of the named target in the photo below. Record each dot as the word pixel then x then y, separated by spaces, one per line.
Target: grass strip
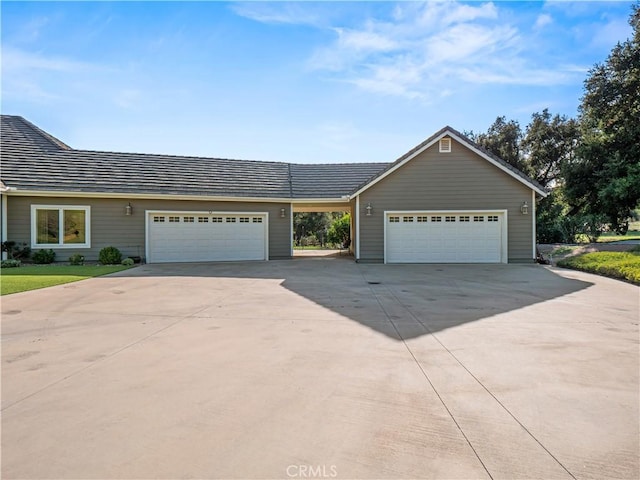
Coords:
pixel 23 279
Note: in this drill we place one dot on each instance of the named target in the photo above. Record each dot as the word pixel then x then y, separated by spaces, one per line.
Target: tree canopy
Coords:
pixel 605 176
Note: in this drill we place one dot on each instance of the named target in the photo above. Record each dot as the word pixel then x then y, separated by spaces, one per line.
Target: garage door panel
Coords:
pixel 193 237
pixel 448 237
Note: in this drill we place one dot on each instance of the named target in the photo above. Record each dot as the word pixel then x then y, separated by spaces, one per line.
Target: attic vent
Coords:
pixel 445 145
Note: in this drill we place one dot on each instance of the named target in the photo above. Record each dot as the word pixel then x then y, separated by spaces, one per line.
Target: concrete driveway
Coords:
pixel 322 368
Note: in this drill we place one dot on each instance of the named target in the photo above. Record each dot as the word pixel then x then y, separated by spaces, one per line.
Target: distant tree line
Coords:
pixel 590 164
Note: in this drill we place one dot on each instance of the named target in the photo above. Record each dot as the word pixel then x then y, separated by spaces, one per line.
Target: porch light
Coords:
pixel 524 208
pixel 128 210
pixel 282 212
pixel 368 208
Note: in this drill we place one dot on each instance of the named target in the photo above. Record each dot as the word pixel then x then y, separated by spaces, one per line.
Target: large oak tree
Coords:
pixel 605 176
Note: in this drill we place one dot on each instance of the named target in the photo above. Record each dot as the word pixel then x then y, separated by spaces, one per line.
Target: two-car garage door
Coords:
pixel 206 237
pixel 445 237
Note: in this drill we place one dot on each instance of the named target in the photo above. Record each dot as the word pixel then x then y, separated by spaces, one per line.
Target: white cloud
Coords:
pixel 371 41
pixel 14 59
pixel 542 21
pixel 285 13
pixel 612 32
pixel 419 50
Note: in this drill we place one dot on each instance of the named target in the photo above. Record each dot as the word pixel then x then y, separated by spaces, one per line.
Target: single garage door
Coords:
pixel 200 237
pixel 444 237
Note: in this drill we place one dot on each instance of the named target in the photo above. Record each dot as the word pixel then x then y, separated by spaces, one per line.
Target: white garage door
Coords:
pixel 444 237
pixel 200 237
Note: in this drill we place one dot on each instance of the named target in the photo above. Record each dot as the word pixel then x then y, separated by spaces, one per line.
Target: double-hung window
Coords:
pixel 60 226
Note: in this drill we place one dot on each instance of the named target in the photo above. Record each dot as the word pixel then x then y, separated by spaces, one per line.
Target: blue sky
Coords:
pixel 298 82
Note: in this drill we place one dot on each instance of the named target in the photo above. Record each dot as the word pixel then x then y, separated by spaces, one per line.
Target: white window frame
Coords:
pixel 61 209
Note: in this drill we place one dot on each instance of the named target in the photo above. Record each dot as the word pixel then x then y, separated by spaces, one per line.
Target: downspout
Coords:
pixel 290 210
pixel 357 214
pixel 3 233
pixel 533 221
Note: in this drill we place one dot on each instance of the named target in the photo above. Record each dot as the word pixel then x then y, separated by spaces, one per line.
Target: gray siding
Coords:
pixel 460 180
pixel 110 226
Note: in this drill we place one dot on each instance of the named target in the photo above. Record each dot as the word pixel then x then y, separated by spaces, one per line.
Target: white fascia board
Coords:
pixel 463 143
pixel 161 196
pixel 319 200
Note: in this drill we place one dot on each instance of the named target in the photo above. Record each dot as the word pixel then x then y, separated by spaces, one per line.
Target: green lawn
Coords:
pixel 621 265
pixel 22 279
pixel 612 237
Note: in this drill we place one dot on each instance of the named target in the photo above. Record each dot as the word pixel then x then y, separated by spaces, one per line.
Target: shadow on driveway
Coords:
pixel 400 301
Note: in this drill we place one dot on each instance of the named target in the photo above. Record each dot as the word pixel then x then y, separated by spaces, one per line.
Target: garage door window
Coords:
pixel 257 219
pixel 464 218
pixel 394 219
pixel 478 218
pixel 203 219
pixel 60 226
pixel 189 219
pixel 174 219
pixel 492 218
pixel 450 219
pixel 231 219
pixel 436 219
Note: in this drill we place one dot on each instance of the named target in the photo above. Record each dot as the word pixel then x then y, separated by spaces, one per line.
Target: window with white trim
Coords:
pixel 203 219
pixel 216 220
pixel 174 219
pixel 60 226
pixel 407 219
pixel 244 219
pixel 422 219
pixel 464 218
pixel 478 218
pixel 394 219
pixel 231 219
pixel 257 219
pixel 451 218
pixel 158 219
pixel 492 218
pixel 189 219
pixel 436 219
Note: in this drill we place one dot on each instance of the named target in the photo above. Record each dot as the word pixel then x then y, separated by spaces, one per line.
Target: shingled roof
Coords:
pixel 34 160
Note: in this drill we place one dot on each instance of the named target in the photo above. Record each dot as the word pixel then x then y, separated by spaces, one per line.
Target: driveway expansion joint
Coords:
pixel 435 337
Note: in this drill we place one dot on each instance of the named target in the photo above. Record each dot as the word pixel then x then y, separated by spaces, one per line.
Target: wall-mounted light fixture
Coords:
pixel 368 208
pixel 283 212
pixel 128 210
pixel 524 208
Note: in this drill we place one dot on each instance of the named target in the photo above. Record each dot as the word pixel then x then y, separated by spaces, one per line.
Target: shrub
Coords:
pixel 11 263
pixel 128 262
pixel 16 251
pixel 76 259
pixel 44 256
pixel 110 256
pixel 623 265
